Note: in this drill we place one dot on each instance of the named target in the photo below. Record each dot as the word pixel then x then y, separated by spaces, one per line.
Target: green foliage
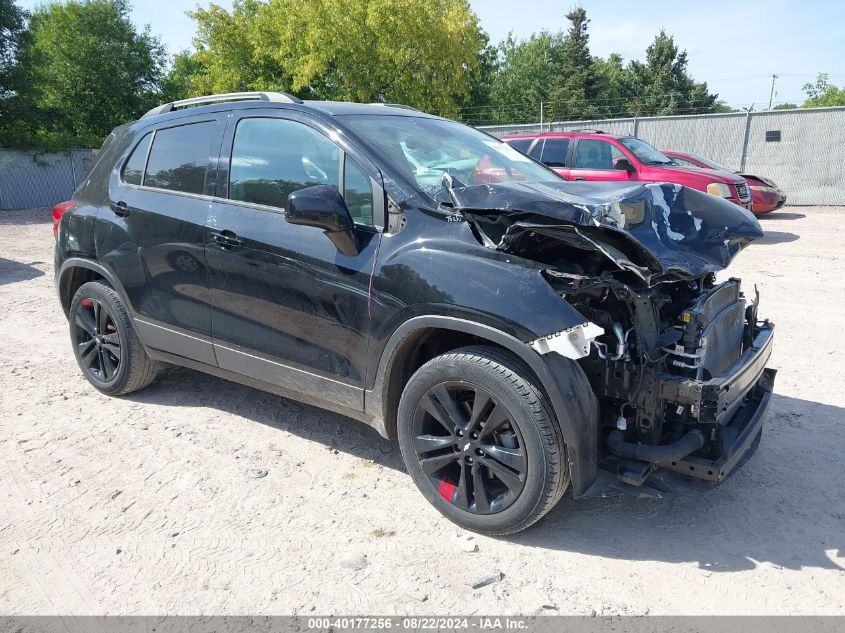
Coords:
pixel 425 54
pixel 823 94
pixel 527 72
pixel 576 85
pixel 785 106
pixel 558 69
pixel 87 70
pixel 661 85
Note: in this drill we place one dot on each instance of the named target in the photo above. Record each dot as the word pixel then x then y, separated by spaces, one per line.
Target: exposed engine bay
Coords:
pixel 676 360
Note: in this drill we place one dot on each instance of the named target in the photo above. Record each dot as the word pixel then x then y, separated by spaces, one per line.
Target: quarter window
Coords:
pixel 358 193
pixel 272 158
pixel 179 157
pixel 133 170
pixel 554 152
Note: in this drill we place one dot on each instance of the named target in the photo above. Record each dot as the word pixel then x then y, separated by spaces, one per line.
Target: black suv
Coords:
pixel 518 333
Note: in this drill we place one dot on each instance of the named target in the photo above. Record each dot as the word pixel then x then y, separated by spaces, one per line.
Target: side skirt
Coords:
pixel 259 384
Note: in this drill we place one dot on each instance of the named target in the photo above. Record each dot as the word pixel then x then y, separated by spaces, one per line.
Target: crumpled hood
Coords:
pixel 657 231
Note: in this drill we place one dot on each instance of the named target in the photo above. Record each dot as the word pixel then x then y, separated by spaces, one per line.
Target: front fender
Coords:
pixel 570 395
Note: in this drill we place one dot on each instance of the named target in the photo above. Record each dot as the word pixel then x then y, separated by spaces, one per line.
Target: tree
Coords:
pixel 424 54
pixel 89 70
pixel 785 106
pixel 13 35
pixel 612 86
pixel 576 86
pixel 524 79
pixel 822 93
pixel 662 85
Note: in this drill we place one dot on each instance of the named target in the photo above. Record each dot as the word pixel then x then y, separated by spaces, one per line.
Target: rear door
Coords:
pixel 288 307
pixel 153 235
pixel 594 159
pixel 554 153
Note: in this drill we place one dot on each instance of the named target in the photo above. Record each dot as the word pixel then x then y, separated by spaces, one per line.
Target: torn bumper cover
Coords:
pixel 656 231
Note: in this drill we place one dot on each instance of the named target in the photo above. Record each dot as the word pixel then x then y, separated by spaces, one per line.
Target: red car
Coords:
pixel 765 195
pixel 593 155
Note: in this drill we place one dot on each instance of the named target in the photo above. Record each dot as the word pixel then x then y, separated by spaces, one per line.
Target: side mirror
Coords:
pixel 624 163
pixel 323 207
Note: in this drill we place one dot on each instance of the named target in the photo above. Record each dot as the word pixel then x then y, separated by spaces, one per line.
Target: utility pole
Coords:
pixel 772 93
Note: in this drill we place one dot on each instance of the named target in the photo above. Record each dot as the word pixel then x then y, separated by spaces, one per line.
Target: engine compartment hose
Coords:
pixel 689 443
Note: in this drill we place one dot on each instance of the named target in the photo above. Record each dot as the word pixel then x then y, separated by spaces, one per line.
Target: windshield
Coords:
pixel 645 152
pixel 425 149
pixel 712 164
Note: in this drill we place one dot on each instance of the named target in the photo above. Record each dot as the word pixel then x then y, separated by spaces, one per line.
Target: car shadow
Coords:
pixel 776 237
pixel 13 272
pixel 183 387
pixel 781 215
pixel 784 508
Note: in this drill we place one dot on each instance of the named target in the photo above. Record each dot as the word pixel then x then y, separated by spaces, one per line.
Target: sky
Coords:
pixel 734 46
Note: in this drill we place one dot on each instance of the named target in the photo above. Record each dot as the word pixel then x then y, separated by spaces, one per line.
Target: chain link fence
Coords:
pixel 800 149
pixel 35 179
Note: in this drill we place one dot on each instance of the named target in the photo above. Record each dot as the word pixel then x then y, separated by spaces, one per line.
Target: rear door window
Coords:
pixel 179 157
pixel 554 152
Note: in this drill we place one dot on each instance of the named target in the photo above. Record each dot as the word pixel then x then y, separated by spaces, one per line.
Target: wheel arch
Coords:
pixel 76 271
pixel 561 379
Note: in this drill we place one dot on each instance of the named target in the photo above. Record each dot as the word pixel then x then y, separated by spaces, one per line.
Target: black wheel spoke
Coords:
pixel 480 403
pixel 504 474
pixel 427 443
pixel 450 406
pixel 431 406
pixel 461 496
pixel 89 354
pixel 86 321
pixel 498 416
pixel 479 490
pixel 431 465
pixel 98 311
pixel 511 457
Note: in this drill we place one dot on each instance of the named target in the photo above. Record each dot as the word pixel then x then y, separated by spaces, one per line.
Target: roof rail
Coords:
pixel 283 97
pixel 396 105
pixel 587 130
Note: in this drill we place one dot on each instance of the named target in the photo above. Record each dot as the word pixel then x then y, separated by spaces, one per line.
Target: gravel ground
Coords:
pixel 146 505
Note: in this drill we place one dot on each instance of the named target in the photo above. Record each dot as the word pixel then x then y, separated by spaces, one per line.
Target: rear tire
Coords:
pixel 480 441
pixel 105 344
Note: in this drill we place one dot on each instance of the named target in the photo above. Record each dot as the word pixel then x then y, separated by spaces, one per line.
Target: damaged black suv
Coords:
pixel 517 333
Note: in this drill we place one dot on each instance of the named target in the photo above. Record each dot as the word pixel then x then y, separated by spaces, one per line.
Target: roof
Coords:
pixel 239 100
pixel 570 134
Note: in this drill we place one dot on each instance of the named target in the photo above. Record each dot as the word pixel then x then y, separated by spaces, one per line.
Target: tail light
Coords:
pixel 58 211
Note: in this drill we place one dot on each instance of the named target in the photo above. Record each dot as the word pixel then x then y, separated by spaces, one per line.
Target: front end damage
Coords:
pixel 676 360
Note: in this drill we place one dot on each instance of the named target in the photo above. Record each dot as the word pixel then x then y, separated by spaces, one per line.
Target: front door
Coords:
pixel 287 307
pixel 595 159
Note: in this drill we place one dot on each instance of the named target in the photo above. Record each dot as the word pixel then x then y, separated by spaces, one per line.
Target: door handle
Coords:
pixel 578 178
pixel 226 239
pixel 120 208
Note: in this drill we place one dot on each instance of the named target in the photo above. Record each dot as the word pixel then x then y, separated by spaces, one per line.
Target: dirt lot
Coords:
pixel 145 505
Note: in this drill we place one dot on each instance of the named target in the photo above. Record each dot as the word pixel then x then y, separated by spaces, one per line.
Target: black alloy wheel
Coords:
pixel 469 447
pixel 97 340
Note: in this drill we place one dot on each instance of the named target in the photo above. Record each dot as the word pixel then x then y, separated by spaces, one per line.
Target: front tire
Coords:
pixel 480 442
pixel 104 342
